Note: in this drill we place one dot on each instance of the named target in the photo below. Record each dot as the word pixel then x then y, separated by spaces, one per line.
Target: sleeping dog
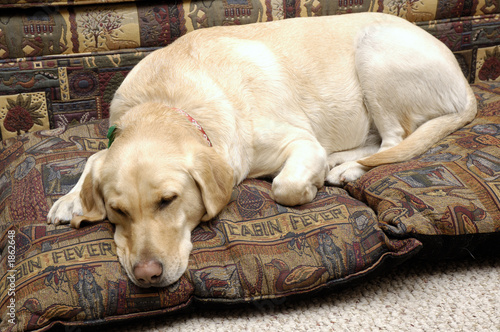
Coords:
pixel 303 100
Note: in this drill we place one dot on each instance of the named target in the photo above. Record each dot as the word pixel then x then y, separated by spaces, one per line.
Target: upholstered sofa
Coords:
pixel 60 63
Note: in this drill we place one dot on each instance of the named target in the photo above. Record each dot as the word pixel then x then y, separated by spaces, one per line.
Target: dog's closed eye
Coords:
pixel 120 212
pixel 165 202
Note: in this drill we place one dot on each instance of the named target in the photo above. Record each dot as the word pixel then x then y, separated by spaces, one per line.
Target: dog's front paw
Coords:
pixel 346 172
pixel 291 193
pixel 65 208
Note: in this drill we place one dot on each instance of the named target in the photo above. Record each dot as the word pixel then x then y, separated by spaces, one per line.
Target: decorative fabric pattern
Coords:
pixel 77 55
pixel 60 65
pixel 451 190
pixel 254 250
pixel 66 91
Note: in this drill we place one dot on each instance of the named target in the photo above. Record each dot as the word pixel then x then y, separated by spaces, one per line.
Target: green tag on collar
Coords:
pixel 111 135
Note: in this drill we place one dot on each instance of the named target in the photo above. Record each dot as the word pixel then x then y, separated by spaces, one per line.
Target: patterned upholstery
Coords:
pixel 60 63
pixel 254 250
pixel 68 60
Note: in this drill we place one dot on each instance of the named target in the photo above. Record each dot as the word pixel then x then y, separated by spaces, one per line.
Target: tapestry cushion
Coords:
pixel 449 197
pixel 254 251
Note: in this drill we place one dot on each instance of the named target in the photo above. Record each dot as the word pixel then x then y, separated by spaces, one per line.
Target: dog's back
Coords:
pixel 333 77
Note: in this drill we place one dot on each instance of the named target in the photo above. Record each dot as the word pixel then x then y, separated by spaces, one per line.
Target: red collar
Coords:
pixel 112 129
pixel 194 122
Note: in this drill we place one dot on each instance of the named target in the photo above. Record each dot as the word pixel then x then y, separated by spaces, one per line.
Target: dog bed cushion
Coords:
pixel 255 250
pixel 441 204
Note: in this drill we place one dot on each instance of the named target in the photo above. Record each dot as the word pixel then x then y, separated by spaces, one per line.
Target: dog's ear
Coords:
pixel 215 180
pixel 92 199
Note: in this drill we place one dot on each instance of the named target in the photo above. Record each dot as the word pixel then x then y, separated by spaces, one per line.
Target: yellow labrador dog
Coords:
pixel 303 100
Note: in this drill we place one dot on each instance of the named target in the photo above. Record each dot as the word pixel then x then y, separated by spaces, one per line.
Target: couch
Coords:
pixel 60 63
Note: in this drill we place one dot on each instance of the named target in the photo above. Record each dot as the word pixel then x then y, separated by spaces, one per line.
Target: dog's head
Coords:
pixel 156 184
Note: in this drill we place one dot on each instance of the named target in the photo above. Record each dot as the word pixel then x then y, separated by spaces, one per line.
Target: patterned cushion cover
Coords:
pixel 448 198
pixel 255 250
pixel 67 61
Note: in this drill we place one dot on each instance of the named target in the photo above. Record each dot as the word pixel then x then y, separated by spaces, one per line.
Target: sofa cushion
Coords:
pixel 255 250
pixel 448 198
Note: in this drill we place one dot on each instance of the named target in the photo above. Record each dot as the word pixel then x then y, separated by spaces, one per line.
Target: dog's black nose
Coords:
pixel 148 272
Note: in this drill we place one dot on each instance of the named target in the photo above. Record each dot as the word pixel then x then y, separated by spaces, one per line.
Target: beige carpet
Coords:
pixel 417 296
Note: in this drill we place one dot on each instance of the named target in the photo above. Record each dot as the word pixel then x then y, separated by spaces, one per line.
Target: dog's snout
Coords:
pixel 148 272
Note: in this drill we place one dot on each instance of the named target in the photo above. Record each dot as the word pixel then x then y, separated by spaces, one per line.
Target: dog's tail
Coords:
pixel 425 136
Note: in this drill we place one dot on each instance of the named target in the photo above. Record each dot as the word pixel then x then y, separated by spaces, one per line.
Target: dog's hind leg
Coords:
pixel 413 90
pixel 303 172
pixel 391 81
pixel 346 172
pixel 343 165
pixel 371 146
